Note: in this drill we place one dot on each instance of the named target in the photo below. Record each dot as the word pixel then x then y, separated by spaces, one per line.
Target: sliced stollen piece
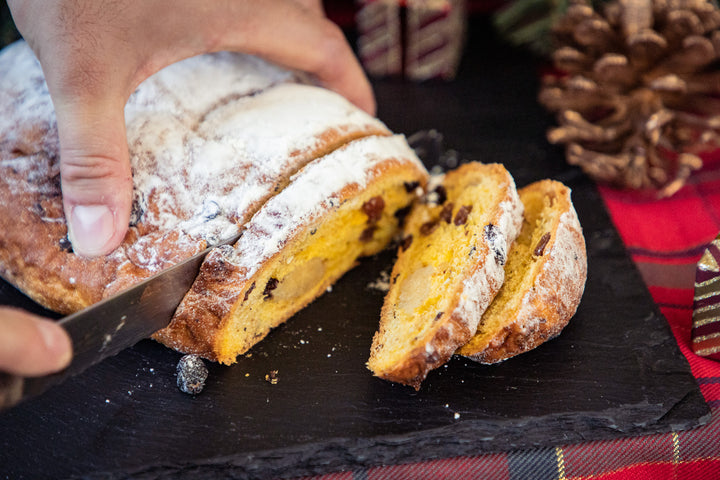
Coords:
pixel 544 278
pixel 449 268
pixel 339 207
pixel 210 139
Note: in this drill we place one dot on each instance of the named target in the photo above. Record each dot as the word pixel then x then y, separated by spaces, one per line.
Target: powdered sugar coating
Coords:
pixel 236 157
pixel 312 192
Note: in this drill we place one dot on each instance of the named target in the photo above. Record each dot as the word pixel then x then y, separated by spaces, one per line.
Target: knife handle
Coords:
pixel 11 390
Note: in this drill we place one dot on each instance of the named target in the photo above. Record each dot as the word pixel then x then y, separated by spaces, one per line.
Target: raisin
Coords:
pixel 373 208
pixel 437 317
pixel 401 213
pixel 249 291
pixel 441 194
pixel 411 186
pixel 191 374
pixel 269 287
pixel 428 227
pixel 368 233
pixel 19 152
pixel 496 242
pixel 462 215
pixel 540 248
pixel 407 241
pixel 446 212
pixel 136 212
pixel 65 244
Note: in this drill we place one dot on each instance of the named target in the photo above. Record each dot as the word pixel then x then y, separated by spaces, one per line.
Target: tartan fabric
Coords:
pixel 665 238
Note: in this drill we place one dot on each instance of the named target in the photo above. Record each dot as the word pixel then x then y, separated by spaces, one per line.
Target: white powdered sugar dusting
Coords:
pixel 480 288
pixel 312 192
pixel 204 175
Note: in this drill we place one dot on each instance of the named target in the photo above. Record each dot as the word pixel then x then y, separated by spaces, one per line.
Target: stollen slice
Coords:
pixel 544 278
pixel 448 270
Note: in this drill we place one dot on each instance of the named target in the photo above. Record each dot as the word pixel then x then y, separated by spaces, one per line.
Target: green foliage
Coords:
pixel 528 23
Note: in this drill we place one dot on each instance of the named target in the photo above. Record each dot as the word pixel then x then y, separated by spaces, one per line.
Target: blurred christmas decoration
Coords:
pixel 528 23
pixel 638 97
pixel 416 39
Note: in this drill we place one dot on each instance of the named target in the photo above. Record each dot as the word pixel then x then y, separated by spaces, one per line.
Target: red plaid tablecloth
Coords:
pixel 665 238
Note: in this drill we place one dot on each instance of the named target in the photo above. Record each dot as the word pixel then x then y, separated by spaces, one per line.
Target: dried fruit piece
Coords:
pixel 496 242
pixel 428 227
pixel 300 279
pixel 269 287
pixel 65 244
pixel 540 248
pixel 373 208
pixel 407 241
pixel 249 291
pixel 411 186
pixel 446 212
pixel 401 213
pixel 438 196
pixel 462 215
pixel 191 374
pixel 367 234
pixel 415 288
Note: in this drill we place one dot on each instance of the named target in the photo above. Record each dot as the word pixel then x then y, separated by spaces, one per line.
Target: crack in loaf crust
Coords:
pixel 297 244
pixel 211 138
pixel 448 273
pixel 545 278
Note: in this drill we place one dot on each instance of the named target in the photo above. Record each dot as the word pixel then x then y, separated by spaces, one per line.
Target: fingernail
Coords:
pixel 57 343
pixel 91 228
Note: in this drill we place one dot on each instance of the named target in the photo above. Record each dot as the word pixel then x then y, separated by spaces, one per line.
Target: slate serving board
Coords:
pixel 615 370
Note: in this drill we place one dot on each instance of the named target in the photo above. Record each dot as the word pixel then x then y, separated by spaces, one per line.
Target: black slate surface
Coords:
pixel 615 371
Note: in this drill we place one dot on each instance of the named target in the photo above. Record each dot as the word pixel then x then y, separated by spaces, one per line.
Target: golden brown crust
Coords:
pixel 553 296
pixel 199 317
pixel 441 345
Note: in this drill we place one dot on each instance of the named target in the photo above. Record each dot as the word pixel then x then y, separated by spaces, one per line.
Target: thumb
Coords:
pixel 31 345
pixel 95 174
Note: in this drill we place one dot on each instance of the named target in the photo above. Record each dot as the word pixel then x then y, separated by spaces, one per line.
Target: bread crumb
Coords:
pixel 382 283
pixel 272 377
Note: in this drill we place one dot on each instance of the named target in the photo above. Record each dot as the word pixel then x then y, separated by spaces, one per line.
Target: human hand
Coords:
pixel 30 345
pixel 94 54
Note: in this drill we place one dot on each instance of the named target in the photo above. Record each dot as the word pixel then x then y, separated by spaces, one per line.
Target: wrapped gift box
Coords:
pixel 416 39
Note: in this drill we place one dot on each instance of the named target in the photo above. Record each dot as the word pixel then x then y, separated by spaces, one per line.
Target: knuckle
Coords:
pixel 333 49
pixel 79 168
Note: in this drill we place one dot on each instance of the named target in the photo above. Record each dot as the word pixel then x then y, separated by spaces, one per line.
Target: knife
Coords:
pixel 111 325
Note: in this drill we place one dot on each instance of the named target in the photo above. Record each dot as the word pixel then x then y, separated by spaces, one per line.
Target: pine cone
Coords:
pixel 638 99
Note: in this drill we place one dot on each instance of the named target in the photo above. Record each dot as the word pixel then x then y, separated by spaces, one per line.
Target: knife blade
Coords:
pixel 111 325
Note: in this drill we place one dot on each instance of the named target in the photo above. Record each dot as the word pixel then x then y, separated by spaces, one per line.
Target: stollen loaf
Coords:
pixel 220 144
